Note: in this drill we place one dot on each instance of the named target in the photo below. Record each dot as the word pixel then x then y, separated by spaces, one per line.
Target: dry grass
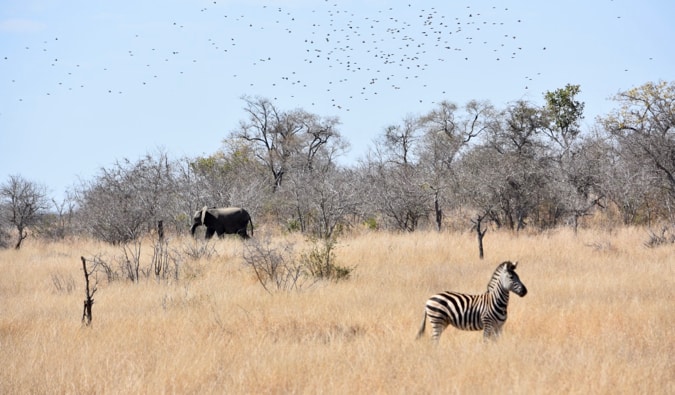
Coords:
pixel 598 318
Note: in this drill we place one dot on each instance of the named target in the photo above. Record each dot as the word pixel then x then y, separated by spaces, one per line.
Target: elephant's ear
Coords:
pixel 204 214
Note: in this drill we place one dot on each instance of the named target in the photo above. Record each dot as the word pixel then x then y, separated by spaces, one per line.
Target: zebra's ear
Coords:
pixel 515 264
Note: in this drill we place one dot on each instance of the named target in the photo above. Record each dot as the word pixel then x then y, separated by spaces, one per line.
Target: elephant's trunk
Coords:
pixel 203 214
pixel 198 220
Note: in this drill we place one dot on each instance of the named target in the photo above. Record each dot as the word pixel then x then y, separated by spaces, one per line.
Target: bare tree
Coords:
pixel 22 204
pixel 281 140
pixel 398 142
pixel 323 199
pixel 480 179
pixel 229 177
pixel 393 174
pixel 628 185
pixel 519 161
pixel 270 138
pixel 126 200
pixel 644 130
pixel 397 193
pixel 296 148
pixel 65 210
pixel 446 133
pixel 58 222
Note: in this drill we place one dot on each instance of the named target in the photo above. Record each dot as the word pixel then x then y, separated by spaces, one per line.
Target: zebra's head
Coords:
pixel 512 281
pixel 508 279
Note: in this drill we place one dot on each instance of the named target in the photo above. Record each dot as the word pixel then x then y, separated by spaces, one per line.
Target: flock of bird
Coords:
pixel 381 51
pixel 362 51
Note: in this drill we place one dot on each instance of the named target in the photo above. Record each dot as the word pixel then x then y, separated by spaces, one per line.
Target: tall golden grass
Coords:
pixel 599 318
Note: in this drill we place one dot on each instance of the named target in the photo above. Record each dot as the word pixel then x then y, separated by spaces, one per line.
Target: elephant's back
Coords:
pixel 232 210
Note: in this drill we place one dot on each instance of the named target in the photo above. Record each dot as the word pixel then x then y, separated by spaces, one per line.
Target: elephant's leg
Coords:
pixel 209 233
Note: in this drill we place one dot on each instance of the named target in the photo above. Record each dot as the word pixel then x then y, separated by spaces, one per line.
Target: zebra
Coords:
pixel 486 312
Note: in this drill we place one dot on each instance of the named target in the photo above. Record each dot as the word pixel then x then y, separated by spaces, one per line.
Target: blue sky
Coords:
pixel 86 83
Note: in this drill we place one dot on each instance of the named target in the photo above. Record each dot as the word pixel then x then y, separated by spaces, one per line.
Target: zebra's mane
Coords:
pixel 494 281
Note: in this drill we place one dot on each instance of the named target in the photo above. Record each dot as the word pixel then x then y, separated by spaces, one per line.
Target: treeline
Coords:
pixel 523 166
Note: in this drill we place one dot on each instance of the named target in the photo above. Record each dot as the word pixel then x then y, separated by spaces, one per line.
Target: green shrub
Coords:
pixel 320 261
pixel 371 223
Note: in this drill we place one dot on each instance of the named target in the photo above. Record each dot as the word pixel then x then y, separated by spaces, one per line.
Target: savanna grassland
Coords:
pixel 599 318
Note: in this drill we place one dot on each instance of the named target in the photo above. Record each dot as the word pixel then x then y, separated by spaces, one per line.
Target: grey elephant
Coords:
pixel 223 220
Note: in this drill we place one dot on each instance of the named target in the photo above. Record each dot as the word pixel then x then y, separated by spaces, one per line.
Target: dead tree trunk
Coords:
pixel 480 233
pixel 22 236
pixel 89 300
pixel 439 212
pixel 160 257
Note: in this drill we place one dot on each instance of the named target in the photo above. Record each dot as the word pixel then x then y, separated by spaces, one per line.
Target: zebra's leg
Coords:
pixel 437 328
pixel 497 329
pixel 423 327
pixel 491 331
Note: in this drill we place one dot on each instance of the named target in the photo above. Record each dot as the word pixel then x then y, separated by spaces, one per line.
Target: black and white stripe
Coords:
pixel 486 312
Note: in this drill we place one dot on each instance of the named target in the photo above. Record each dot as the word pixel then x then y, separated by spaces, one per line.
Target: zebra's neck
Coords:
pixel 499 297
pixel 499 291
pixel 496 280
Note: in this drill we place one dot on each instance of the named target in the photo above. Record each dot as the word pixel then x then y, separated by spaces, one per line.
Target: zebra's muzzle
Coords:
pixel 521 291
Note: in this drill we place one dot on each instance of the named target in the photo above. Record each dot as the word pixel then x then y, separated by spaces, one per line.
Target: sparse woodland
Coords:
pixel 524 167
pixel 328 294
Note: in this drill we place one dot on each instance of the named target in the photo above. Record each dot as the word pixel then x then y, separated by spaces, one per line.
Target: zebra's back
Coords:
pixel 459 310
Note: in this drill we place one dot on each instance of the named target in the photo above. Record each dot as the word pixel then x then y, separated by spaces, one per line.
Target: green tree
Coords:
pixel 564 114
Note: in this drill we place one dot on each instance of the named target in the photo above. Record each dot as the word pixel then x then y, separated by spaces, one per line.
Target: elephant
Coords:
pixel 223 220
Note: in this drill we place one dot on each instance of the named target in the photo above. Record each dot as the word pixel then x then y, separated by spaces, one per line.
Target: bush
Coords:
pixel 320 261
pixel 280 269
pixel 274 268
pixel 371 223
pixel 200 249
pixel 655 240
pixel 165 263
